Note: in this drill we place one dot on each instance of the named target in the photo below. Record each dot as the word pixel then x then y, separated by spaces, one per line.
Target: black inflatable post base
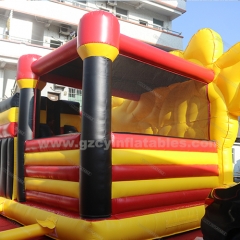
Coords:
pixel 95 169
pixel 25 132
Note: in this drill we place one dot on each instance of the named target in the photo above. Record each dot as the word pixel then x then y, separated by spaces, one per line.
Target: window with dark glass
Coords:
pixel 157 23
pixel 121 13
pixel 142 22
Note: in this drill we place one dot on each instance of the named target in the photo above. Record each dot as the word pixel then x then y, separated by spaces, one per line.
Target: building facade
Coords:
pixel 41 26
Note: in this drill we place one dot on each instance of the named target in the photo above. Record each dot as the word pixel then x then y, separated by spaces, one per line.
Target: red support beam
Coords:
pixel 145 53
pixel 56 58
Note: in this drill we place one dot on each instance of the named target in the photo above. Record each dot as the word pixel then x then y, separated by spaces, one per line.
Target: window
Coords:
pixel 158 24
pixel 121 13
pixel 142 22
pixel 55 43
pixel 75 95
pixel 80 3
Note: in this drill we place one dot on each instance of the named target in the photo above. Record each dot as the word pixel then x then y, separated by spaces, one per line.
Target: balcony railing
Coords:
pixel 83 5
pixel 54 44
pixel 154 26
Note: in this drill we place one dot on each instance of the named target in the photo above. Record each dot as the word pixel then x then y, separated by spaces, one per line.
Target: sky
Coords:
pixel 221 16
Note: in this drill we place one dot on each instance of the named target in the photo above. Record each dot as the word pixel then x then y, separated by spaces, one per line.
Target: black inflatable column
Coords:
pixel 98 49
pixel 40 86
pixel 27 82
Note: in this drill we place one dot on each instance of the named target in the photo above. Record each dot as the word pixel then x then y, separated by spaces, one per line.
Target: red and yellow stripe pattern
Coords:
pixel 163 174
pixel 154 173
pixel 52 171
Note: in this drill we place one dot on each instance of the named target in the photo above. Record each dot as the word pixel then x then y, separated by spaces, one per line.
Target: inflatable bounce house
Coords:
pixel 154 136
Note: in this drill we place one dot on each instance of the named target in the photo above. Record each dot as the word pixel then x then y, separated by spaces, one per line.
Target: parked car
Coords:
pixel 222 217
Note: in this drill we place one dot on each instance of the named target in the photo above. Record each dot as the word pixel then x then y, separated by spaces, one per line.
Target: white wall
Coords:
pixel 150 35
pixel 20 29
pixel 236 160
pixel 47 9
pixel 1 83
pixel 144 14
pixel 49 88
pixel 9 80
pixel 3 24
pixel 16 49
pixel 38 33
pixel 179 3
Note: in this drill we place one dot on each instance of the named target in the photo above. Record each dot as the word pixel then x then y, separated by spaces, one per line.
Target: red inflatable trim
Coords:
pixel 74 214
pixel 53 209
pixel 140 141
pixel 164 200
pixel 57 143
pixel 145 53
pixel 63 202
pixel 64 212
pixel 65 173
pixel 9 130
pixel 99 27
pixel 24 70
pixel 124 172
pixel 156 210
pixel 150 171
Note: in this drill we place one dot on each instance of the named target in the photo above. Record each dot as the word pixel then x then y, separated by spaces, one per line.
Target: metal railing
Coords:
pixel 85 6
pixel 32 41
pixel 60 42
pixel 154 26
